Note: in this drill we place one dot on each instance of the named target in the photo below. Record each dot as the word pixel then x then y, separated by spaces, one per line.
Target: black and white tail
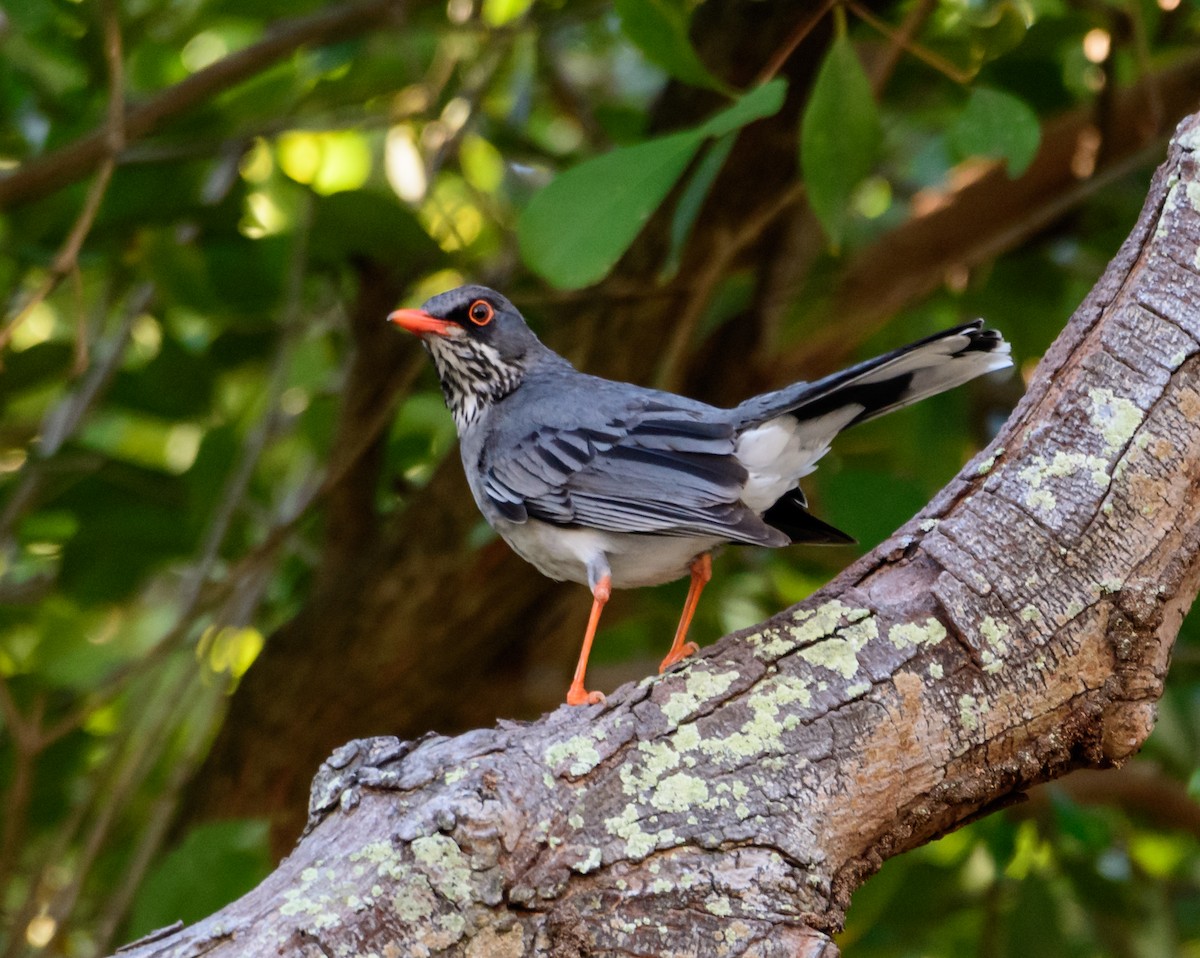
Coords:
pixel 781 435
pixel 891 381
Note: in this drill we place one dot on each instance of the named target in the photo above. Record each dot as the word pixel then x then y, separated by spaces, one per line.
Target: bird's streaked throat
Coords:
pixel 473 376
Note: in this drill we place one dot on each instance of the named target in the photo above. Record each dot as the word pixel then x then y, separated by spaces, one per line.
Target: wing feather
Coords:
pixel 652 469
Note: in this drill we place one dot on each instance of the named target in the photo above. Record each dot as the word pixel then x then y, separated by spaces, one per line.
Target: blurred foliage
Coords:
pixel 167 410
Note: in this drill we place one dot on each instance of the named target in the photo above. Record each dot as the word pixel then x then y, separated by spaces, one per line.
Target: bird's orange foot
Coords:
pixel 678 655
pixel 578 695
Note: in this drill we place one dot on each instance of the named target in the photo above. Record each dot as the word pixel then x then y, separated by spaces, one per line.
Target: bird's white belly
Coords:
pixel 634 559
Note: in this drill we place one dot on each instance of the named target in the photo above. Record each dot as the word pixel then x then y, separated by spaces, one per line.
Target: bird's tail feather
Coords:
pixel 891 381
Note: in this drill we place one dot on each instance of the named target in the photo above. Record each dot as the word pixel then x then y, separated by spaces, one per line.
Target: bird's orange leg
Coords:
pixel 701 572
pixel 577 694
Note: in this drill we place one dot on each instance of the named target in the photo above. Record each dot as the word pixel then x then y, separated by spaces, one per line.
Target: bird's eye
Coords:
pixel 481 312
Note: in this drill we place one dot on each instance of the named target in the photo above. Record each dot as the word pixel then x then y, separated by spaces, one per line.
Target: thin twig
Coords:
pixel 926 56
pixel 61 422
pixel 67 260
pixel 802 30
pixel 901 41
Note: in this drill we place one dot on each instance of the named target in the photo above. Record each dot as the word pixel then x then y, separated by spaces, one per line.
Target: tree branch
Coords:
pixel 69 163
pixel 1019 627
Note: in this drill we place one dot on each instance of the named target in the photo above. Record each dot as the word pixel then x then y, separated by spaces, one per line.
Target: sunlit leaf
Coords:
pixel 840 137
pixel 660 30
pixel 345 162
pixel 997 125
pixel 496 13
pixel 229 650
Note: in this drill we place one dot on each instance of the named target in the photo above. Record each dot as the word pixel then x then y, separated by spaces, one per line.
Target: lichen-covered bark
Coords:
pixel 1018 628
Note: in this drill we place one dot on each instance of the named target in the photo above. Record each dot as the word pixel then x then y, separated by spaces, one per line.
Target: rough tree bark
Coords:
pixel 1018 628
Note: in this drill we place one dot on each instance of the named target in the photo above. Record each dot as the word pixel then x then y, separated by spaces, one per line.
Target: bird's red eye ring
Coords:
pixel 481 312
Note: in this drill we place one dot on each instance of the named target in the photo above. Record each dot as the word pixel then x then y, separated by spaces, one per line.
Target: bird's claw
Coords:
pixel 688 648
pixel 581 696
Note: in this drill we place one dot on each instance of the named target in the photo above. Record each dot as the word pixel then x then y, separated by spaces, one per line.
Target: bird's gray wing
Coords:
pixel 653 469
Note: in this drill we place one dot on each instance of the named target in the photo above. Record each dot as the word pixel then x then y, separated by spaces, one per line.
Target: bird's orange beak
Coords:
pixel 419 322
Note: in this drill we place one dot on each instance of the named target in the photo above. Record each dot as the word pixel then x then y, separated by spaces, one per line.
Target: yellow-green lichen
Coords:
pixel 316 909
pixel 679 792
pixel 762 733
pixel 995 633
pixel 1174 189
pixel 384 856
pixel 445 865
pixel 935 670
pixel 986 465
pixel 1116 417
pixel 654 759
pixel 1042 499
pixel 718 905
pixel 455 775
pixel 415 900
pixel 1188 140
pixel 1063 464
pixel 701 686
pixel 638 843
pixel 589 863
pixel 910 635
pixel 839 653
pixel 810 626
pixel 969 709
pixel 579 749
pixel 686 737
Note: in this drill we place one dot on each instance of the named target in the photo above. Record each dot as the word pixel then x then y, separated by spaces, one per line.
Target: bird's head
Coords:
pixel 479 343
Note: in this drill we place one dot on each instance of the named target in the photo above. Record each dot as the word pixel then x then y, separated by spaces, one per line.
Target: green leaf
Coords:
pixel 575 230
pixel 762 101
pixel 659 28
pixel 998 125
pixel 692 198
pixel 839 137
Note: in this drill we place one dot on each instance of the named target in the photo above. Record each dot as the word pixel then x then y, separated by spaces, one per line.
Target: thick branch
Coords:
pixel 1018 628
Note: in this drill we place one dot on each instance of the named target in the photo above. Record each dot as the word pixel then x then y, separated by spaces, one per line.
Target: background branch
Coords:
pixel 38 177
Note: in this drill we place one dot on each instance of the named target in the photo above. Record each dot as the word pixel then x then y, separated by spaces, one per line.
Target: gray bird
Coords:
pixel 618 486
